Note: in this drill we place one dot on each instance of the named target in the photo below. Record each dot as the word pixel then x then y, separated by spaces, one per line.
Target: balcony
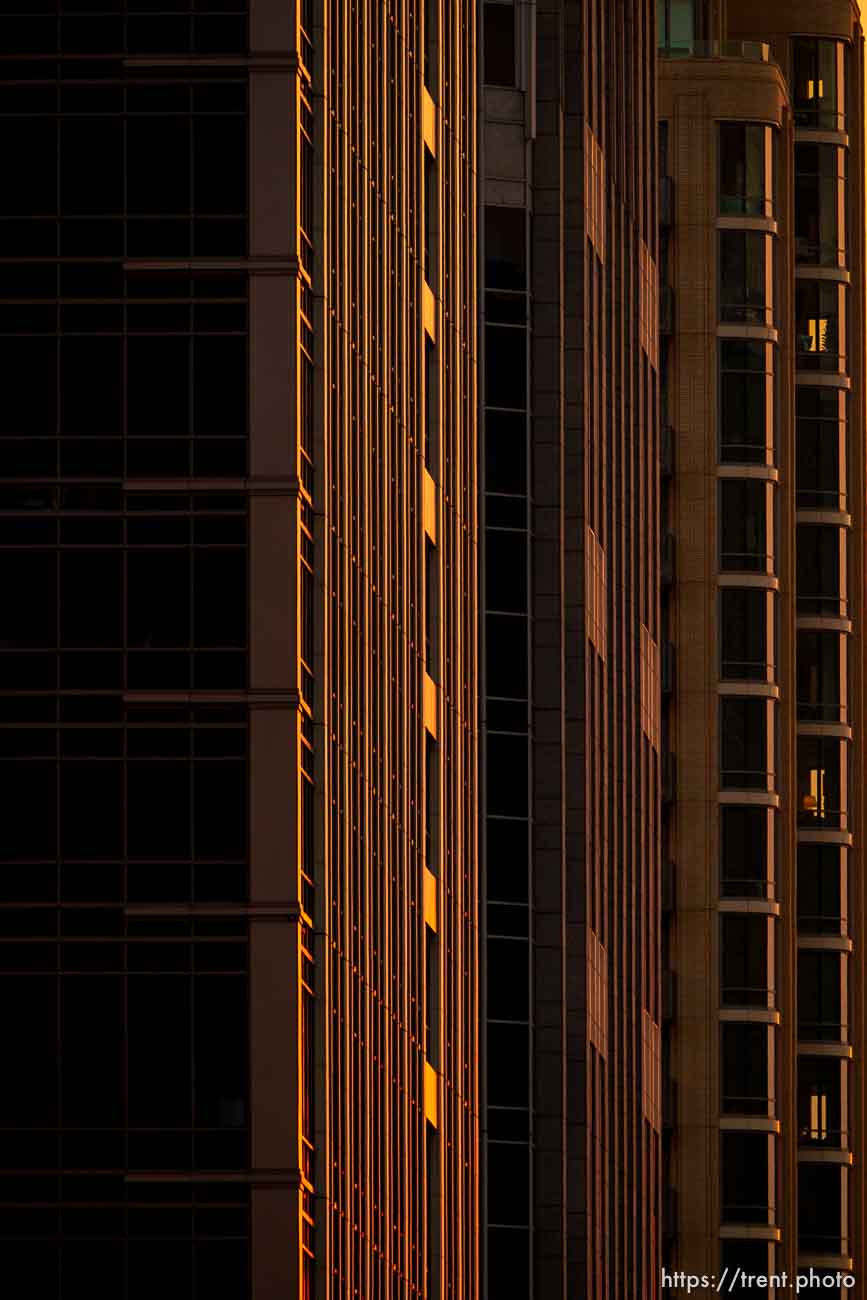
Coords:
pixel 822 783
pixel 820 1210
pixel 820 996
pixel 821 448
pixel 820 672
pixel 754 51
pixel 821 559
pixel 820 325
pixel 745 863
pixel 744 960
pixel 821 890
pixel 820 1103
pixel 745 283
pixel 746 1178
pixel 745 758
pixel 746 1088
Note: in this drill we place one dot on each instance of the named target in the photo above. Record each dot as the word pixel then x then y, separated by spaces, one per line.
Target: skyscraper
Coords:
pixel 571 663
pixel 762 143
pixel 237 649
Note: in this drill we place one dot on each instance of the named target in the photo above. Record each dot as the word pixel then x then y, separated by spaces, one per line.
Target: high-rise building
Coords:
pixel 762 161
pixel 237 650
pixel 571 811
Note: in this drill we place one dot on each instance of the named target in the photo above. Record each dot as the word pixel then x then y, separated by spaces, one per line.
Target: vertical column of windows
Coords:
pixel 821 293
pixel 506 694
pixel 428 370
pixel 303 205
pixel 746 613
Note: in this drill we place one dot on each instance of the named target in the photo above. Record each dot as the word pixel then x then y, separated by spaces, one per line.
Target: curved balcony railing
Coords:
pixel 755 51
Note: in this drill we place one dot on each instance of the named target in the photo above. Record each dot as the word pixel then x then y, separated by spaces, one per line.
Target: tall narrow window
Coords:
pixel 745 1177
pixel 820 1209
pixel 432 998
pixel 744 634
pixel 743 852
pixel 305 181
pixel 431 610
pixel 745 1083
pixel 743 188
pixel 431 797
pixel 819 204
pixel 819 90
pixel 746 401
pixel 744 759
pixel 307 601
pixel 820 1001
pixel 430 216
pixel 431 46
pixel 744 525
pixel 821 442
pixel 820 325
pixel 499 43
pixel 820 889
pixel 819 1101
pixel 431 408
pixel 743 276
pixel 744 973
pixel 818 659
pixel 821 782
pixel 820 570
pixel 434 1204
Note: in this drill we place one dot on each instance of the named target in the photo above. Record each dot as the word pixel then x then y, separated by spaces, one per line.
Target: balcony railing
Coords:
pixel 755 51
pixel 822 1031
pixel 760 995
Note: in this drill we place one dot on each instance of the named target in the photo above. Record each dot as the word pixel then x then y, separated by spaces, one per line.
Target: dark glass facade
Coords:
pixel 237 867
pixel 123 649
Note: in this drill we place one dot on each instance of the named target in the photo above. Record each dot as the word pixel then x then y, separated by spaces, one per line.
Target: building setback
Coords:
pixel 570 508
pixel 238 650
pixel 762 155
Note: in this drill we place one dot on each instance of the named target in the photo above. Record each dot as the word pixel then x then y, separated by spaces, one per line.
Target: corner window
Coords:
pixel 744 531
pixel 744 277
pixel 745 1177
pixel 743 180
pixel 746 401
pixel 744 960
pixel 818 676
pixel 820 429
pixel 819 1101
pixel 744 864
pixel 821 783
pixel 820 1210
pixel 743 629
pixel 819 88
pixel 744 1055
pixel 820 568
pixel 820 198
pixel 744 755
pixel 820 325
pixel 820 889
pixel 820 977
